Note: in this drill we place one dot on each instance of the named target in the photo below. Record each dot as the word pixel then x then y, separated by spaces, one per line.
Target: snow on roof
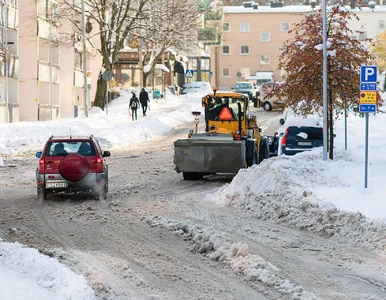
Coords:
pixel 164 68
pixel 264 75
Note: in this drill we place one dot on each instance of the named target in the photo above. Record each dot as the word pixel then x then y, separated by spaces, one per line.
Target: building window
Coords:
pixel 362 36
pixel 265 59
pixel 226 50
pixel 244 27
pixel 244 49
pixel 226 72
pixel 282 49
pixel 264 37
pixel 226 27
pixel 284 26
pixel 381 24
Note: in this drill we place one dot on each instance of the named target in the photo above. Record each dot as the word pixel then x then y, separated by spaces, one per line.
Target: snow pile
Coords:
pixel 217 246
pixel 289 189
pixel 55 281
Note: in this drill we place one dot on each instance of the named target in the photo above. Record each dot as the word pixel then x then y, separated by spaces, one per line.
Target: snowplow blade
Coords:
pixel 209 157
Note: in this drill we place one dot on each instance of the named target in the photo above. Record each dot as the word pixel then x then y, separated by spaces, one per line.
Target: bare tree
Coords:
pixel 114 21
pixel 168 24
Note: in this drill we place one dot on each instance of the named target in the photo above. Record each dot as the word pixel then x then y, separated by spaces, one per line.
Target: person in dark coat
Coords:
pixel 144 99
pixel 134 104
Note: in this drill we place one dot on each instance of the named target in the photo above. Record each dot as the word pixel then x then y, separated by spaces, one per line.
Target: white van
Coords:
pixel 197 86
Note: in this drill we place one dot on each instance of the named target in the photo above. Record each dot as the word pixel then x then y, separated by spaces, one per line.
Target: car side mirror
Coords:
pixel 232 87
pixel 281 121
pixel 39 154
pixel 106 154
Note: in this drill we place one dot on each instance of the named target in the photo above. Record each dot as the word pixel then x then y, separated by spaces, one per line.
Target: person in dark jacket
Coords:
pixel 134 104
pixel 144 99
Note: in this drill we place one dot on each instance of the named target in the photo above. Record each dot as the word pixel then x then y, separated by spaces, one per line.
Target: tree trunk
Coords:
pixel 100 95
pixel 331 127
pixel 144 78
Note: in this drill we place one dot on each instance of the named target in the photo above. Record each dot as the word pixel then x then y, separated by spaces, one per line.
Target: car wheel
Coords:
pixel 74 167
pixel 42 193
pixel 267 106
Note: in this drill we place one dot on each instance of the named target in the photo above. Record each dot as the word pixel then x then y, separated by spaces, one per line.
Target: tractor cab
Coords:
pixel 224 111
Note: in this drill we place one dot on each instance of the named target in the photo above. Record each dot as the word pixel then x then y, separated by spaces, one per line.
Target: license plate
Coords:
pixel 56 184
pixel 305 143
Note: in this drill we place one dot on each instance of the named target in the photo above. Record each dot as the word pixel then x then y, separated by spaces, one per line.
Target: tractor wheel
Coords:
pixel 264 150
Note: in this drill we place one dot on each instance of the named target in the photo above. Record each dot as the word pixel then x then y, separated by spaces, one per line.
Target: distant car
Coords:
pixel 269 103
pixel 299 133
pixel 72 164
pixel 246 88
pixel 197 87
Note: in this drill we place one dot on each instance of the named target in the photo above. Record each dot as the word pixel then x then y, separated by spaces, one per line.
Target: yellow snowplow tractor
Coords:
pixel 231 140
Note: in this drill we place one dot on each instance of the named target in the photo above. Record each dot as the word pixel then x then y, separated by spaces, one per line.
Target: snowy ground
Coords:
pixel 303 191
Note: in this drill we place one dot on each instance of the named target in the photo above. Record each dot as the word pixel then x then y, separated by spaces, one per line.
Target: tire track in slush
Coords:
pixel 119 234
pixel 319 275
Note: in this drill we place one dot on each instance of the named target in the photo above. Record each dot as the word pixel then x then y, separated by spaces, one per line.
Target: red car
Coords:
pixel 71 165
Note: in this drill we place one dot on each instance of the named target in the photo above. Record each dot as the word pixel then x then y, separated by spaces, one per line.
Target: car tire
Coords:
pixel 267 106
pixel 100 193
pixel 192 176
pixel 42 193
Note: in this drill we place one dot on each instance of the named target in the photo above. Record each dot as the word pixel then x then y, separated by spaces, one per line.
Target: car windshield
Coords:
pixel 84 148
pixel 244 85
pixel 304 133
pixel 224 108
pixel 262 81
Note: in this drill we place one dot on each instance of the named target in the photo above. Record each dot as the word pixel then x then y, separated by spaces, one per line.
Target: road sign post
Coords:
pixel 368 103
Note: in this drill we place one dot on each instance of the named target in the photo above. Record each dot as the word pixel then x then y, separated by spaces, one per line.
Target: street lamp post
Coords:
pixel 84 63
pixel 325 106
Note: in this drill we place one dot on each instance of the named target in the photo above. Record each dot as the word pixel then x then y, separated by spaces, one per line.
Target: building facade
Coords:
pixel 253 36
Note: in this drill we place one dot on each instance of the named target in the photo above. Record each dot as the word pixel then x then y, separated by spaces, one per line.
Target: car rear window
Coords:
pixel 304 133
pixel 85 148
pixel 244 85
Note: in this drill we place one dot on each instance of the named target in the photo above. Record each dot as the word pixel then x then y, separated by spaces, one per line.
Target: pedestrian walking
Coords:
pixel 134 104
pixel 144 99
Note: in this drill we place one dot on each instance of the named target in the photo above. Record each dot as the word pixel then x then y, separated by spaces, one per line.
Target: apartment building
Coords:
pixel 253 35
pixel 9 62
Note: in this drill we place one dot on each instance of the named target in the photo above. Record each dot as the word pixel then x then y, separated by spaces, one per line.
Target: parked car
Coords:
pixel 197 86
pixel 269 103
pixel 70 165
pixel 299 133
pixel 247 88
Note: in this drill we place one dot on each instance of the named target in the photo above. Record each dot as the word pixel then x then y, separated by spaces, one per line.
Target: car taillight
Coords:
pixel 284 139
pixel 99 165
pixel 41 165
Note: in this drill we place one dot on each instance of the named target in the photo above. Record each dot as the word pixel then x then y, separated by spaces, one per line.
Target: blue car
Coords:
pixel 297 139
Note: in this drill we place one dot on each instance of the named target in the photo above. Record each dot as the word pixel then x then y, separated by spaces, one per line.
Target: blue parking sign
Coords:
pixel 369 74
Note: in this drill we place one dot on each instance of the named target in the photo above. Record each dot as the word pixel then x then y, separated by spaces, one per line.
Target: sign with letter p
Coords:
pixel 369 74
